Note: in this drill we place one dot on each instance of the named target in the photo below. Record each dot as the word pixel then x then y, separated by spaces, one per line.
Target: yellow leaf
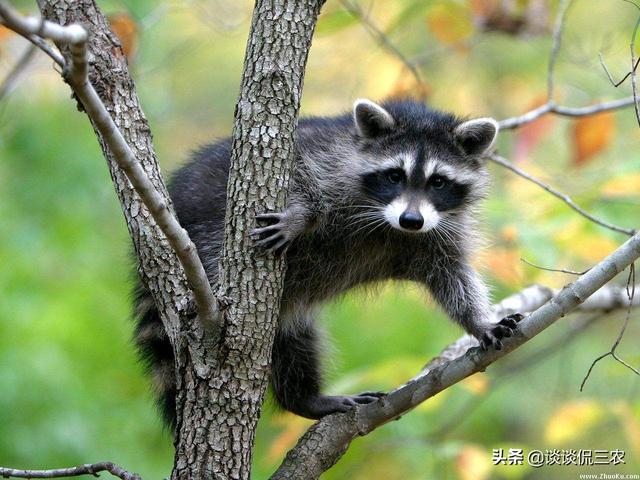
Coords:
pixel 473 463
pixel 571 421
pixel 593 247
pixel 450 23
pixel 622 186
pixel 591 135
pixel 477 384
pixel 407 85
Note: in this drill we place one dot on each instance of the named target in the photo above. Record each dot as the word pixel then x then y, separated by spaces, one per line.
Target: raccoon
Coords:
pixel 388 191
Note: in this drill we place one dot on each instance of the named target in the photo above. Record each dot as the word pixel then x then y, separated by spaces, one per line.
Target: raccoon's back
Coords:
pixel 199 188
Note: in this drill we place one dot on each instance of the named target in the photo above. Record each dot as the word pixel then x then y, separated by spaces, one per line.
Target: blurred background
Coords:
pixel 71 388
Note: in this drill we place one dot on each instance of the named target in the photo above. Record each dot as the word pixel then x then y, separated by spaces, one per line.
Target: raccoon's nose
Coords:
pixel 411 220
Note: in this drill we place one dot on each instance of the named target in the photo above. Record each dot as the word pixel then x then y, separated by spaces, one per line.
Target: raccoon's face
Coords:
pixel 423 166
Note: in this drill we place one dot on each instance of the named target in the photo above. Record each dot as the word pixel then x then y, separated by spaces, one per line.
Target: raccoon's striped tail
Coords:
pixel 155 351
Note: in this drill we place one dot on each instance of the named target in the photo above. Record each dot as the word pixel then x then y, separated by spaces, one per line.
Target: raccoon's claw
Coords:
pixel 275 237
pixel 270 217
pixel 503 329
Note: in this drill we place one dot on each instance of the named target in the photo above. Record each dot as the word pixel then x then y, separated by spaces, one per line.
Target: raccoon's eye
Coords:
pixel 395 176
pixel 437 182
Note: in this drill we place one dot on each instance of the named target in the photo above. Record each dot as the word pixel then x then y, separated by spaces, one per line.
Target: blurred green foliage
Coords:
pixel 71 390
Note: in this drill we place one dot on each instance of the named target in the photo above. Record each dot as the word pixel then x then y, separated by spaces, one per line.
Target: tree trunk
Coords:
pixel 219 406
pixel 221 382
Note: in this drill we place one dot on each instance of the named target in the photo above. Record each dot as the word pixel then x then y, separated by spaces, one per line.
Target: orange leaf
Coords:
pixel 450 23
pixel 504 264
pixel 530 134
pixel 407 85
pixel 591 135
pixel 4 33
pixel 126 29
pixel 509 233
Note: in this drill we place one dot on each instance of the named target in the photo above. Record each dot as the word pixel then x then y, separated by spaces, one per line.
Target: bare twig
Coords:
pixel 46 48
pixel 634 82
pixel 634 66
pixel 551 107
pixel 556 43
pixel 381 38
pixel 76 75
pixel 86 469
pixel 17 70
pixel 623 79
pixel 565 198
pixel 631 292
pixel 327 440
pixel 559 270
pixel 33 38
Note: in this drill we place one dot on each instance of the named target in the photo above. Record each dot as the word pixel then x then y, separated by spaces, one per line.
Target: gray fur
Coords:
pixel 335 234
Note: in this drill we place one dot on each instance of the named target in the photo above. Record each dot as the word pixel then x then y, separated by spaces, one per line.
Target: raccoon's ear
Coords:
pixel 476 136
pixel 371 119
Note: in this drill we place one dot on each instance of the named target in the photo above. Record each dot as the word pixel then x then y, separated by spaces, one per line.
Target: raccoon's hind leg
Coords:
pixel 296 375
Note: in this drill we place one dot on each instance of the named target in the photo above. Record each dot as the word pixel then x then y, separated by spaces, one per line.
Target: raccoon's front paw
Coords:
pixel 278 235
pixel 503 329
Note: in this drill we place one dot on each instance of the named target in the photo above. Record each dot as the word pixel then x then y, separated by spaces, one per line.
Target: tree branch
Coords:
pixel 551 107
pixel 558 29
pixel 382 39
pixel 86 469
pixel 326 441
pixel 631 293
pixel 75 73
pixel 557 270
pixel 26 26
pixel 565 198
pixel 463 413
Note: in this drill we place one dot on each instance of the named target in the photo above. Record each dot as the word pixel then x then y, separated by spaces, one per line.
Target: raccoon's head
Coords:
pixel 420 167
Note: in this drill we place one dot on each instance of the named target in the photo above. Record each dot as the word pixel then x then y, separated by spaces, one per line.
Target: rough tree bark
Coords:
pixel 221 381
pixel 219 405
pixel 159 268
